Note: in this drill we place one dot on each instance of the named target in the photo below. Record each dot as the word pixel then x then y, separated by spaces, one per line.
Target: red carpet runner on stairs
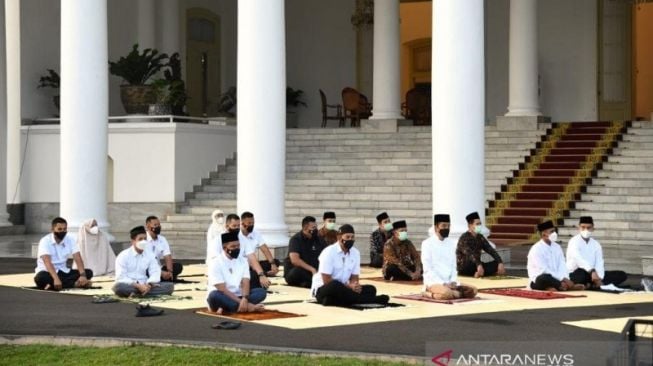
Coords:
pixel 551 179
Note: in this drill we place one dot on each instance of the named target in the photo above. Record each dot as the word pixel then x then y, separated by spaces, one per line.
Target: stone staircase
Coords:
pixel 355 173
pixel 621 201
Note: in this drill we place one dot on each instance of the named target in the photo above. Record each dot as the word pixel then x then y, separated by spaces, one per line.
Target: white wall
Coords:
pixel 496 58
pixel 3 114
pixel 152 162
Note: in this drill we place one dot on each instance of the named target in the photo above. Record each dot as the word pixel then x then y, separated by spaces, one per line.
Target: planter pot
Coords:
pixel 159 109
pixel 136 99
pixel 291 119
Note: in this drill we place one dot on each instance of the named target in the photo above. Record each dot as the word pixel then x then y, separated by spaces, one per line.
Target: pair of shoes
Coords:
pixel 382 299
pixel 146 310
pixel 226 325
pixel 647 284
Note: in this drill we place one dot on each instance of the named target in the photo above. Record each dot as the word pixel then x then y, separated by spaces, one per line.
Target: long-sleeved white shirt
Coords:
pixel 133 267
pixel 583 254
pixel 439 261
pixel 544 258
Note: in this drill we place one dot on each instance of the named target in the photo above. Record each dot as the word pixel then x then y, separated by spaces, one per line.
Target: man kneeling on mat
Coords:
pixel 439 261
pixel 137 270
pixel 336 281
pixel 546 265
pixel 228 287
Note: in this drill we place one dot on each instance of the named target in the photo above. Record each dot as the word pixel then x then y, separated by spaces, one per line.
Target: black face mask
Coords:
pixel 233 253
pixel 156 230
pixel 250 228
pixel 444 233
pixel 348 244
pixel 61 234
pixel 233 230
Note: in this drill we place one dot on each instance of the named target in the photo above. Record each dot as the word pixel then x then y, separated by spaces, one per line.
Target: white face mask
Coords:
pixel 94 230
pixel 485 231
pixel 142 245
pixel 403 235
pixel 586 234
pixel 331 225
pixel 219 220
pixel 553 236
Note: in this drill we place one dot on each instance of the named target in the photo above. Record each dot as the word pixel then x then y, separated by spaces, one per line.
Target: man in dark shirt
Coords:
pixel 378 239
pixel 328 231
pixel 470 246
pixel 303 252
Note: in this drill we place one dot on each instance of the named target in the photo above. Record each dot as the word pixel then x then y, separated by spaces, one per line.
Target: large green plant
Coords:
pixel 138 68
pixel 294 98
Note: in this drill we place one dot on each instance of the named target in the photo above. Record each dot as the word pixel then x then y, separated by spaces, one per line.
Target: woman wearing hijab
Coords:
pixel 95 248
pixel 215 230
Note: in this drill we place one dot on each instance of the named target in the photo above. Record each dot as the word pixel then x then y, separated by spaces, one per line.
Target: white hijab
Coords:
pixel 217 226
pixel 95 249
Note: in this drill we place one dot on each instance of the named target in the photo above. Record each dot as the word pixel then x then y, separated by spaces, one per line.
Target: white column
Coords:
pixel 169 27
pixel 458 109
pixel 262 116
pixel 3 124
pixel 387 88
pixel 146 24
pixel 12 34
pixel 84 111
pixel 523 98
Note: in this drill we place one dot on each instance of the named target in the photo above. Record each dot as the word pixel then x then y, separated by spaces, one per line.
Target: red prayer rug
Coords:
pixel 263 315
pixel 419 297
pixel 529 294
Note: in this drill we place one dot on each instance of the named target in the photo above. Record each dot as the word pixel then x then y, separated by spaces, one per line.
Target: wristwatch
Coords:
pixel 246 297
pixel 260 274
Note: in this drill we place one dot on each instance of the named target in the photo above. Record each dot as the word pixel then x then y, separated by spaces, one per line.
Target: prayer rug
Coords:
pixel 381 279
pixel 419 297
pixel 374 306
pixel 501 277
pixel 529 294
pixel 263 315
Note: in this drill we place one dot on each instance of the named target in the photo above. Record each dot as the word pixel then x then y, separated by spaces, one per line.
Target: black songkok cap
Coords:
pixel 441 218
pixel 346 229
pixel 229 237
pixel 471 217
pixel 329 215
pixel 545 226
pixel 399 224
pixel 586 220
pixel 382 216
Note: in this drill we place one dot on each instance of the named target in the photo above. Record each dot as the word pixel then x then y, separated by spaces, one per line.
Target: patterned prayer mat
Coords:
pixel 381 279
pixel 419 297
pixel 263 315
pixel 529 294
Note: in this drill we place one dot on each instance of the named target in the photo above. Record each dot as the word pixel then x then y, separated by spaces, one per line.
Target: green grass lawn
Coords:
pixel 158 356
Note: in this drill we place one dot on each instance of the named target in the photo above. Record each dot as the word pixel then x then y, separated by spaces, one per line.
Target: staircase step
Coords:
pixel 623 183
pixel 615 207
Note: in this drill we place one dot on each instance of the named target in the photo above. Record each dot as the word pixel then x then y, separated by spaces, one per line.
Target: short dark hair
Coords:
pixel 232 217
pixel 59 220
pixel 307 220
pixel 246 215
pixel 150 218
pixel 133 233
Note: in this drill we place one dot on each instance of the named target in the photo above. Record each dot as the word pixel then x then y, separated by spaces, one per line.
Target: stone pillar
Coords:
pixel 169 41
pixel 4 217
pixel 13 106
pixel 387 87
pixel 262 116
pixel 458 110
pixel 84 112
pixel 524 107
pixel 146 24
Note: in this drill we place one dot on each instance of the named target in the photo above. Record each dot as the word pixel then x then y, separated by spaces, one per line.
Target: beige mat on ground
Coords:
pixel 615 325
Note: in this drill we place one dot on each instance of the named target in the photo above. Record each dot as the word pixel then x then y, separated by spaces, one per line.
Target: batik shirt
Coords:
pixel 469 250
pixel 402 254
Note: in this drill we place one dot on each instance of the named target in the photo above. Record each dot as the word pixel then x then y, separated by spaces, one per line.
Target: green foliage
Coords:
pixel 177 87
pixel 51 80
pixel 294 98
pixel 137 68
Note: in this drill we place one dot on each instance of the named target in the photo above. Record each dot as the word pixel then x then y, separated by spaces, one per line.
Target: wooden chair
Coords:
pixel 355 105
pixel 325 111
pixel 418 107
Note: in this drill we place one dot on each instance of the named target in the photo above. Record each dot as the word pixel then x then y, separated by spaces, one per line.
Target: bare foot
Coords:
pixel 47 287
pixel 251 308
pixel 427 294
pixel 577 287
pixel 551 289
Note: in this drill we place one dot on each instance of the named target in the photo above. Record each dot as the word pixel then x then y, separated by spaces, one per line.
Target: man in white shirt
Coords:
pixel 439 263
pixel 251 240
pixel 336 281
pixel 546 265
pixel 585 259
pixel 52 272
pixel 228 285
pixel 137 270
pixel 161 249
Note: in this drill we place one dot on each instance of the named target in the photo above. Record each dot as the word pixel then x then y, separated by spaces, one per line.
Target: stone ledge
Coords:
pixel 521 123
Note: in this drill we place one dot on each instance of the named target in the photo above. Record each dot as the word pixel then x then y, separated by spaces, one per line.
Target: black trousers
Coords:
pixel 253 276
pixel 176 270
pixel 68 280
pixel 376 260
pixel 489 269
pixel 392 272
pixel 298 277
pixel 611 277
pixel 336 293
pixel 545 281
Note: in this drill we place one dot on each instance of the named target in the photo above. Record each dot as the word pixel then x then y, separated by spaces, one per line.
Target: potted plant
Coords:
pixel 161 89
pixel 177 87
pixel 294 99
pixel 51 80
pixel 136 69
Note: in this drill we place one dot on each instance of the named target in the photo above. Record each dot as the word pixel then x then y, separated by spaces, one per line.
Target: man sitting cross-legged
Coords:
pixel 228 287
pixel 52 272
pixel 439 261
pixel 336 283
pixel 378 238
pixel 137 270
pixel 303 252
pixel 161 248
pixel 400 258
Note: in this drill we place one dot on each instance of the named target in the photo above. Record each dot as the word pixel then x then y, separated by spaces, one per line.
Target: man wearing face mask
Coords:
pixel 400 258
pixel 304 250
pixel 52 272
pixel 439 260
pixel 251 240
pixel 137 269
pixel 228 285
pixel 546 263
pixel 378 239
pixel 470 247
pixel 585 259
pixel 328 231
pixel 336 283
pixel 161 249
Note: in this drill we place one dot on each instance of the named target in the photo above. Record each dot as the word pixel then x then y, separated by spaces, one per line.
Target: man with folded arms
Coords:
pixel 546 265
pixel 439 261
pixel 378 239
pixel 585 259
pixel 328 231
pixel 137 269
pixel 470 247
pixel 304 250
pixel 228 285
pixel 400 258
